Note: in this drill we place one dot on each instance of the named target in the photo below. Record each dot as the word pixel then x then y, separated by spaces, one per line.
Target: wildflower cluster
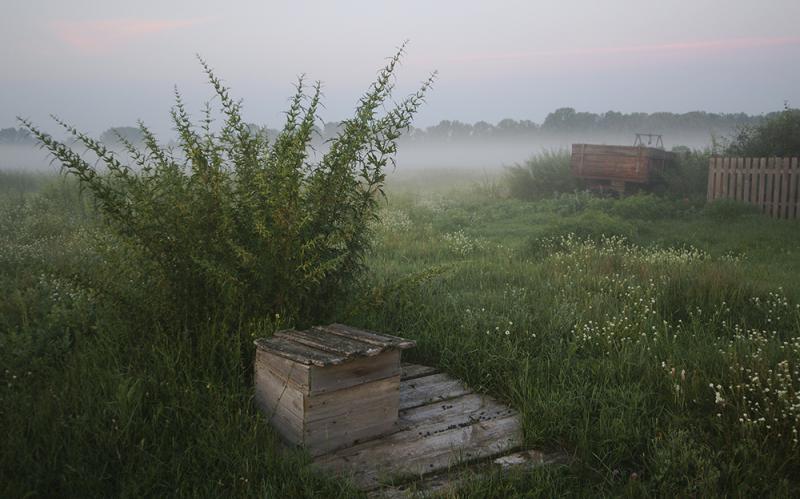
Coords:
pixel 492 324
pixel 763 390
pixel 461 244
pixel 394 221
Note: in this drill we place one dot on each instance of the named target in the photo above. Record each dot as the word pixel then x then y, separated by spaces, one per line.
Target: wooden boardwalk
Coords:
pixel 442 423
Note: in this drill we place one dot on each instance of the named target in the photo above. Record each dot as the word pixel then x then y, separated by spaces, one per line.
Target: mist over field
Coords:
pixel 344 249
pixel 458 146
pixel 454 154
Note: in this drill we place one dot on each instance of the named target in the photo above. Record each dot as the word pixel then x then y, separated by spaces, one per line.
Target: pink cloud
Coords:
pixel 105 34
pixel 694 47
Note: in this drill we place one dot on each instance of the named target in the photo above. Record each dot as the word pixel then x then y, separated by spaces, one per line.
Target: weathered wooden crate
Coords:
pixel 616 166
pixel 328 387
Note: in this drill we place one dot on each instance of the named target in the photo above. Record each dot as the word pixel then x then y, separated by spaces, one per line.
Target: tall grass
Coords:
pixel 542 176
pixel 650 357
pixel 662 369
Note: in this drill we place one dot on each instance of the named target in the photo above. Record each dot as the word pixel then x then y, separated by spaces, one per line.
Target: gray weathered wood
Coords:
pixel 378 339
pixel 397 456
pixel 331 343
pixel 411 371
pixel 433 388
pixel 329 389
pixel 354 372
pixel 468 407
pixel 296 352
pixel 338 419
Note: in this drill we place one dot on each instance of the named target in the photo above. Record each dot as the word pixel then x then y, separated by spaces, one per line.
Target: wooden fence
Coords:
pixel 772 184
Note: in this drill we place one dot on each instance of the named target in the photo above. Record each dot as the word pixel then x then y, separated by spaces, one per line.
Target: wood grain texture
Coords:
pixel 428 389
pixel 410 371
pixel 354 372
pixel 341 418
pixel 400 456
pixel 620 163
pixel 772 184
pixel 303 354
pixel 338 345
pixel 378 339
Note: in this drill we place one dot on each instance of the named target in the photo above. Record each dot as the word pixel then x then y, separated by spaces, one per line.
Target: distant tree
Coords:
pixel 133 135
pixel 17 136
pixel 778 135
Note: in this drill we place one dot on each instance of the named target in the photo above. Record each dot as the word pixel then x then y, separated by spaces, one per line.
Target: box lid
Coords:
pixel 330 345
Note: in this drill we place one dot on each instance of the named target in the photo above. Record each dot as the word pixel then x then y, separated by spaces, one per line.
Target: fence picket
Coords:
pixel 747 172
pixel 794 195
pixel 785 187
pixel 772 184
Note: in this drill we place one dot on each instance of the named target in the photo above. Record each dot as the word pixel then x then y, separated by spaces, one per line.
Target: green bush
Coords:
pixel 688 176
pixel 542 176
pixel 233 225
pixel 779 135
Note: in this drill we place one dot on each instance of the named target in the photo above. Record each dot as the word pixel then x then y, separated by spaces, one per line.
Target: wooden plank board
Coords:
pixel 281 403
pixel 768 174
pixel 762 179
pixel 378 339
pixel 411 371
pixel 794 189
pixel 469 407
pixel 283 368
pixel 746 180
pixel 354 372
pixel 720 178
pixel 710 182
pixel 299 353
pixel 784 212
pixel 342 418
pixel 428 389
pixel 332 343
pixel 397 456
pixel 753 162
pixel 346 402
pixel 739 166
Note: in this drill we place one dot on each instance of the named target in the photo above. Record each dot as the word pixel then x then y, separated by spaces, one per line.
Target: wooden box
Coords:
pixel 618 165
pixel 329 387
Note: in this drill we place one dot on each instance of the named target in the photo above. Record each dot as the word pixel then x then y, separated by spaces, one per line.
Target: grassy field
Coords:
pixel 655 341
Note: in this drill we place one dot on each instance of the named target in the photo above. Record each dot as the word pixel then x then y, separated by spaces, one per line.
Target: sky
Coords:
pixel 107 63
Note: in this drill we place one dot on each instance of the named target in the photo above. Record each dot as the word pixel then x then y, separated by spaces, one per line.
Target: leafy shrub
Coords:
pixel 234 225
pixel 542 176
pixel 778 135
pixel 688 177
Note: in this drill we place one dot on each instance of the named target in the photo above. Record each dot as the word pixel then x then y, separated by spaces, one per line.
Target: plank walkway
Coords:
pixel 442 424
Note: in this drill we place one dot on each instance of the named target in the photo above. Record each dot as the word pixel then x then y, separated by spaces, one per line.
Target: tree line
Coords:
pixel 563 121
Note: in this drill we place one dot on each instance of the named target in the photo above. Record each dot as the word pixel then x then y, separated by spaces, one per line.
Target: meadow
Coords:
pixel 655 340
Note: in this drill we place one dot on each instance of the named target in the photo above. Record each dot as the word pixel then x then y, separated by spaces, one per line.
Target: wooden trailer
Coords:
pixel 618 169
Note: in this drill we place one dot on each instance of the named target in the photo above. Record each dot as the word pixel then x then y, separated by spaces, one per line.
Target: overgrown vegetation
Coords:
pixel 778 135
pixel 135 290
pixel 542 304
pixel 543 175
pixel 548 174
pixel 653 338
pixel 655 341
pixel 234 226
